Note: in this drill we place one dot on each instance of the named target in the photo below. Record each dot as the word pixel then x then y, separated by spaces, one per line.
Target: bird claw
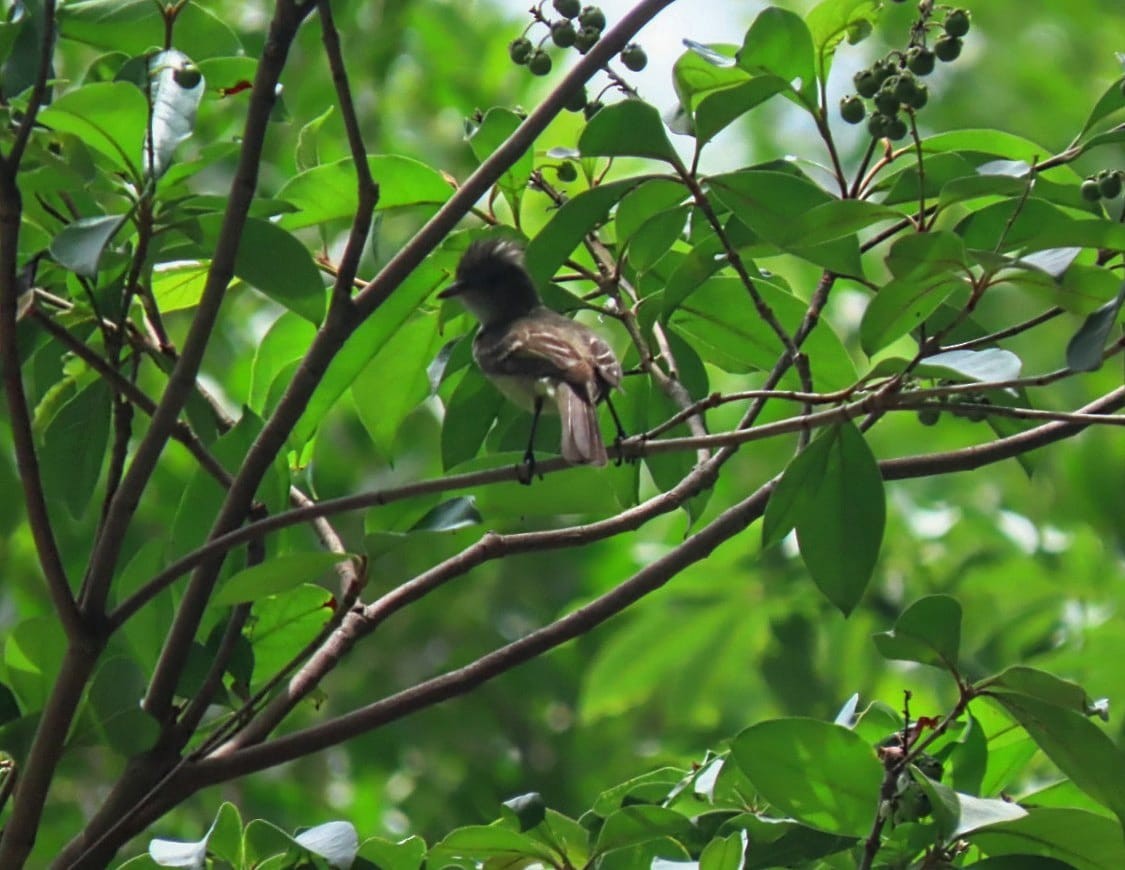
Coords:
pixel 525 471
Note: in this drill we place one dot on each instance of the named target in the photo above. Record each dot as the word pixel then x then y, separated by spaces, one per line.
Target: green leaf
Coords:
pixel 822 775
pixel 335 842
pixel 274 262
pixel 362 345
pixel 110 117
pixel 135 26
pixel 550 247
pixel 526 810
pixel 115 697
pixel 469 414
pixel 724 853
pixel 791 499
pixel 778 42
pixel 927 268
pixel 403 362
pixel 645 202
pixel 1085 348
pixel 74 448
pixel 275 575
pixel 179 286
pixel 991 364
pixel 329 192
pixel 928 631
pixel 288 339
pixel 1081 750
pixel 486 845
pixel 841 530
pixel 1112 100
pixel 456 513
pixel 498 125
pixel 631 128
pixel 307 155
pixel 656 237
pixel 1081 839
pixel 718 109
pixel 79 245
pixel 282 624
pixel 406 854
pixel 33 656
pixel 632 825
pixel 831 21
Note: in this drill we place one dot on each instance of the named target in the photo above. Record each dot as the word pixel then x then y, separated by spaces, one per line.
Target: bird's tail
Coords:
pixel 581 435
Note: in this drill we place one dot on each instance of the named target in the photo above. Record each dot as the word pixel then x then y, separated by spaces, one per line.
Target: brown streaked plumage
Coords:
pixel 531 352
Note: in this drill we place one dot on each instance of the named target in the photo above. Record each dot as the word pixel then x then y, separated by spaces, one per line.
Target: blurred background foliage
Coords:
pixel 1038 562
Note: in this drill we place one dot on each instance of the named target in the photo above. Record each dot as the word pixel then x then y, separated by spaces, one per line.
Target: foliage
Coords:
pixel 247 434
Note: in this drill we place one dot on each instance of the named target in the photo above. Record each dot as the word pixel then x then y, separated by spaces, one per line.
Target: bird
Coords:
pixel 534 354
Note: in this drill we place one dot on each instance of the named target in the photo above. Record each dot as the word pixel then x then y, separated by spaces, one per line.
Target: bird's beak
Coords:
pixel 454 289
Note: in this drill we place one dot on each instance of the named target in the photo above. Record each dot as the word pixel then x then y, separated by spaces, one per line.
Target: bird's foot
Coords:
pixel 525 471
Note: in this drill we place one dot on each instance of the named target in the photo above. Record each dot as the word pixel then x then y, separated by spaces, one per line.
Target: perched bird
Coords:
pixel 533 353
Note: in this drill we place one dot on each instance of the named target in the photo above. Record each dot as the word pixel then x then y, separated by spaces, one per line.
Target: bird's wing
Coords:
pixel 563 351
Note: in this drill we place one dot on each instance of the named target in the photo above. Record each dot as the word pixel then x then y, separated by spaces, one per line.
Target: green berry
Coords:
pixel 592 109
pixel 957 23
pixel 920 97
pixel 519 50
pixel 592 16
pixel 1091 190
pixel 884 69
pixel 539 63
pixel 568 8
pixel 866 83
pixel 886 101
pixel 852 109
pixel 1109 184
pixel 577 102
pixel 929 416
pixel 948 48
pixel 634 57
pixel 877 125
pixel 896 128
pixel 586 39
pixel 920 60
pixel 563 33
pixel 566 172
pixel 904 87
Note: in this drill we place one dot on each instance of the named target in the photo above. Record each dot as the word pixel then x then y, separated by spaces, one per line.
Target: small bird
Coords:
pixel 533 353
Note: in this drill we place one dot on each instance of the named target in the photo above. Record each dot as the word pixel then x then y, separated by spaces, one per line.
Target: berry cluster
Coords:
pixel 891 83
pixel 1105 185
pixel 580 27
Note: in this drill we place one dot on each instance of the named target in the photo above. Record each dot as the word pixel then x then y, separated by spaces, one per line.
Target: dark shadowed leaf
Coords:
pixel 1078 838
pixel 1084 350
pixel 74 448
pixel 276 574
pixel 79 245
pixel 494 130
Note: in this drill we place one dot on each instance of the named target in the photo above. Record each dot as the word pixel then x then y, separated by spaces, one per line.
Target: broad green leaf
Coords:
pixel 481 844
pixel 928 267
pixel 548 250
pixel 282 624
pixel 456 513
pixel 1081 750
pixel 79 245
pixel 977 186
pixel 469 414
pixel 135 26
pixel 175 90
pixel 307 155
pixel 724 853
pixel 705 69
pixel 395 381
pixel 834 219
pixel 74 448
pixel 928 631
pixel 632 825
pixel 718 109
pixel 1037 225
pixel 832 21
pixel 363 344
pixel 179 286
pixel 996 143
pixel 525 811
pixel 288 339
pixel 275 575
pixel 1085 348
pixel 406 854
pixel 498 125
pixel 822 775
pixel 328 192
pixel 778 42
pixel 645 202
pixel 841 530
pixel 799 484
pixel 224 840
pixel 656 237
pixel 648 788
pixel 1022 680
pixel 957 814
pixel 33 655
pixel 115 698
pixel 1112 100
pixel 1083 840
pixel 630 128
pixel 991 364
pixel 110 117
pixel 274 262
pixel 784 843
